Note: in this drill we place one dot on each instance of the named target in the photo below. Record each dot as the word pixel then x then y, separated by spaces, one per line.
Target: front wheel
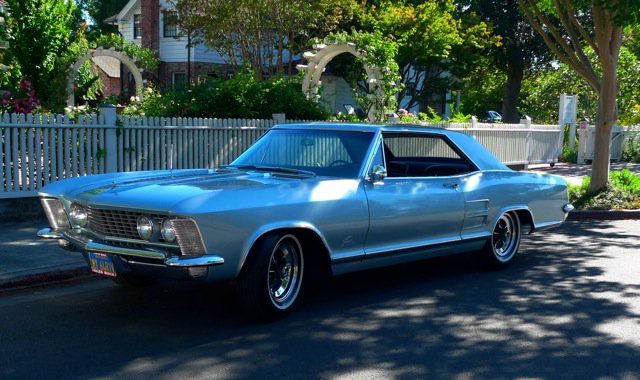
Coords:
pixel 270 281
pixel 503 245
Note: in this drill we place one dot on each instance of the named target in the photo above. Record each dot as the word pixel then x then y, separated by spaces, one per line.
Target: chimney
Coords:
pixel 150 24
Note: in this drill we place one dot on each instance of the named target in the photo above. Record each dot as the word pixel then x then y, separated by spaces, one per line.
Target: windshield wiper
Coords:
pixel 274 169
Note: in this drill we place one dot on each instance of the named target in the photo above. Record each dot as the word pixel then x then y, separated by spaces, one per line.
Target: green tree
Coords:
pixel 435 43
pixel 263 34
pixel 39 32
pixel 521 49
pixel 568 27
pixel 99 10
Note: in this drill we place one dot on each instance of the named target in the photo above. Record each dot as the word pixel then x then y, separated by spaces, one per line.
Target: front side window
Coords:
pixel 136 26
pixel 422 155
pixel 324 152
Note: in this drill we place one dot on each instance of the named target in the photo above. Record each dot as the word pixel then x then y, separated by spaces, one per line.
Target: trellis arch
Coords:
pixel 317 62
pixel 101 52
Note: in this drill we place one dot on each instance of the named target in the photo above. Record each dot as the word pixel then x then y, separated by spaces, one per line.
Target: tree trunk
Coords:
pixel 607 116
pixel 515 73
pixel 609 40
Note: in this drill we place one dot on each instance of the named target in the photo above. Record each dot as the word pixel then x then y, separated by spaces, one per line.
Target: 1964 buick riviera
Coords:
pixel 305 200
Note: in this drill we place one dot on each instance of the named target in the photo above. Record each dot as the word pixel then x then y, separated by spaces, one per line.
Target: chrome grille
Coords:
pixel 116 223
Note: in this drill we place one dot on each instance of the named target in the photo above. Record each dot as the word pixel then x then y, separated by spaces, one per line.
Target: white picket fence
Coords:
pixel 39 149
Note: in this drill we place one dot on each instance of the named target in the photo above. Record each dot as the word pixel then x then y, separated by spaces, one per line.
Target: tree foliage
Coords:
pixel 263 34
pixel 521 49
pixel 435 43
pixel 99 10
pixel 39 33
pixel 568 27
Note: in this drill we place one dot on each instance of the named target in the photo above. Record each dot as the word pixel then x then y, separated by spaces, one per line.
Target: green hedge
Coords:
pixel 241 96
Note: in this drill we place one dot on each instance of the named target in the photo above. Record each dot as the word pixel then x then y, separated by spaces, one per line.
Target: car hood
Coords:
pixel 185 191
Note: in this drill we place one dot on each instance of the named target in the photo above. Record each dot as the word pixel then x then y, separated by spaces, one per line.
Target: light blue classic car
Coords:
pixel 305 201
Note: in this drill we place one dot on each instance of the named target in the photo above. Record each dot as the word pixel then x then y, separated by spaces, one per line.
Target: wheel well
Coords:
pixel 316 254
pixel 526 221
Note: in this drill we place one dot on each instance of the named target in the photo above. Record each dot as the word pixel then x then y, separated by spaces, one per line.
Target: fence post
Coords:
pixel 474 121
pixel 279 118
pixel 583 136
pixel 108 112
pixel 528 142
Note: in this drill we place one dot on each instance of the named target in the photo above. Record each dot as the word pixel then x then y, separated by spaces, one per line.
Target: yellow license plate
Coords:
pixel 102 263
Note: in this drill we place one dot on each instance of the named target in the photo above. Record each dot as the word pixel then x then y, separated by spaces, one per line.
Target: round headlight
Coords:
pixel 168 232
pixel 145 227
pixel 78 215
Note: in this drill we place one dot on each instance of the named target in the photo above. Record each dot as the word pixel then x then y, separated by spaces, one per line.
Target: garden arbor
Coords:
pixel 101 52
pixel 323 54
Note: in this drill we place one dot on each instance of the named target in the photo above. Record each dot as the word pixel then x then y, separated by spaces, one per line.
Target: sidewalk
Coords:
pixel 26 260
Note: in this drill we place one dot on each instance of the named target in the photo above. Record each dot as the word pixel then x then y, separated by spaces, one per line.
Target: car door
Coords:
pixel 413 208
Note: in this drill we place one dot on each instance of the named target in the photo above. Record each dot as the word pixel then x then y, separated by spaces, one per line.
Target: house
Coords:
pixel 149 24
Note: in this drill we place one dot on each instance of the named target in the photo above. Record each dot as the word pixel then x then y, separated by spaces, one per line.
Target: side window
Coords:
pixel 169 24
pixel 422 155
pixel 136 26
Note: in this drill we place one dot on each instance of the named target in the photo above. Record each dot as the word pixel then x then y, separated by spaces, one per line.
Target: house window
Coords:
pixel 136 26
pixel 170 26
pixel 179 78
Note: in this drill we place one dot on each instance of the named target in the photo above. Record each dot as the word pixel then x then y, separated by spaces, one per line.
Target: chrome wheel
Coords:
pixel 271 278
pixel 505 238
pixel 285 272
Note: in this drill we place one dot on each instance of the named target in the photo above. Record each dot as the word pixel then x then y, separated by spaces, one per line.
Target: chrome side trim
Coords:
pixel 546 226
pixel 88 245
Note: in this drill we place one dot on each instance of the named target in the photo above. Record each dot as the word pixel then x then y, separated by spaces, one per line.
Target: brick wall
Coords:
pixel 150 24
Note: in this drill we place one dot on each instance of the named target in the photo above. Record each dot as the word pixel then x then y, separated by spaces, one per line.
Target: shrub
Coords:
pixel 623 192
pixel 631 149
pixel 241 96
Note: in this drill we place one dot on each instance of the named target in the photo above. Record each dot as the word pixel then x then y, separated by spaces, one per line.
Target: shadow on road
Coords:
pixel 558 312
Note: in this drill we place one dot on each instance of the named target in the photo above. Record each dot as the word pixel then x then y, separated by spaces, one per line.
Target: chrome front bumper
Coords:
pixel 88 245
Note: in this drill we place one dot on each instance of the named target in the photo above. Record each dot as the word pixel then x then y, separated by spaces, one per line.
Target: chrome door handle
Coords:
pixel 450 185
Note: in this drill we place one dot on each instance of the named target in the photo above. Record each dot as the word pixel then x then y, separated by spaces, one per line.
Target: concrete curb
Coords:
pixel 604 215
pixel 46 278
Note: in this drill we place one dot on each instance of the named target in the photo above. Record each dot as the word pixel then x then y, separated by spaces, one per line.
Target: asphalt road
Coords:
pixel 568 308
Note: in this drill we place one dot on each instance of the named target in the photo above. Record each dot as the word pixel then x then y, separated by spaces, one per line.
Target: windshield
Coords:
pixel 324 152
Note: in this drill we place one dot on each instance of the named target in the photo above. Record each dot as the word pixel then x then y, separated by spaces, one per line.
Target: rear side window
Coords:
pixel 423 155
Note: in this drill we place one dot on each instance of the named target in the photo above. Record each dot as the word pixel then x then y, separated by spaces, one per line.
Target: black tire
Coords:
pixel 503 245
pixel 270 281
pixel 133 281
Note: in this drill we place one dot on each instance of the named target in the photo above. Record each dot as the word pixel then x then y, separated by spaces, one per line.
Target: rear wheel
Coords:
pixel 504 243
pixel 270 282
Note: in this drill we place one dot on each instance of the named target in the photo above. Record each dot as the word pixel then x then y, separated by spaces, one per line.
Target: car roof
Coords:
pixel 364 127
pixel 480 155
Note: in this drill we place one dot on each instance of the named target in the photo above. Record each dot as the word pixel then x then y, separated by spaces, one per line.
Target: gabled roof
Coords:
pixel 123 13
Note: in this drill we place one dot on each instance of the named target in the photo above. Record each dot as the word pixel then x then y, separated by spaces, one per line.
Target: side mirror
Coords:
pixel 378 174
